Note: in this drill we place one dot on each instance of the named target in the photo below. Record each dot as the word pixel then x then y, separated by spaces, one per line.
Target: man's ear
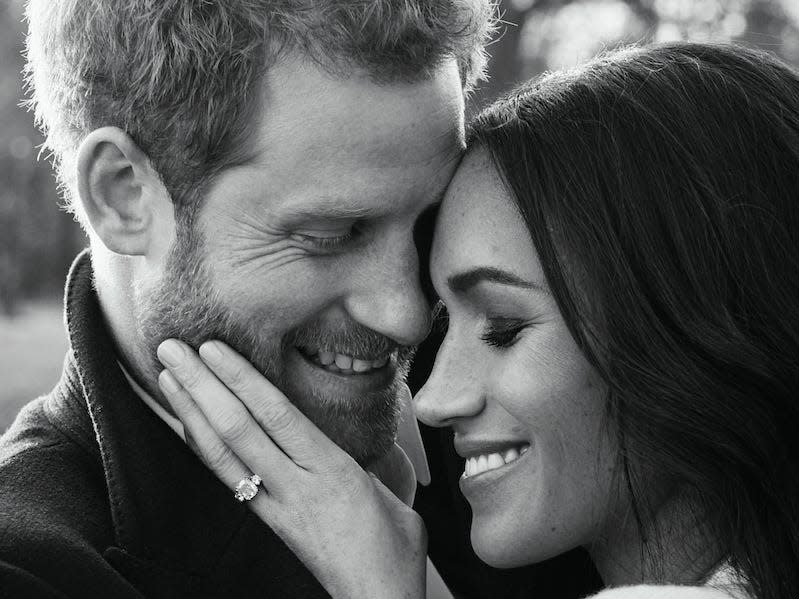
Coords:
pixel 121 193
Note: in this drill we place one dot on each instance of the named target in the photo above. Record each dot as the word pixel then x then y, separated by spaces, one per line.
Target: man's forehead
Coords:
pixel 359 197
pixel 350 149
pixel 310 115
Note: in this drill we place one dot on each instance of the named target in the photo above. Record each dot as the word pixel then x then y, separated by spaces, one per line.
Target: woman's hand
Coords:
pixel 352 533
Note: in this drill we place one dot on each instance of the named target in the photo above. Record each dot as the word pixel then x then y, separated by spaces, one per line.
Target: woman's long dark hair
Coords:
pixel 660 186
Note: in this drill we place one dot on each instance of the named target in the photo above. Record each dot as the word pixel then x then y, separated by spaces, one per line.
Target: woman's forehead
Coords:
pixel 479 223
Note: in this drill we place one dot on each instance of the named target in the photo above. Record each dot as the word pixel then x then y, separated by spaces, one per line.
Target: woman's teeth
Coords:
pixel 344 364
pixel 490 461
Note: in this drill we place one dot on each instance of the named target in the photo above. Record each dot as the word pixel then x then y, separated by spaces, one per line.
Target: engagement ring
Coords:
pixel 247 488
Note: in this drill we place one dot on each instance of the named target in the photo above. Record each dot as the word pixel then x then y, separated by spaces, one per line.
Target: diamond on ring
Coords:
pixel 247 488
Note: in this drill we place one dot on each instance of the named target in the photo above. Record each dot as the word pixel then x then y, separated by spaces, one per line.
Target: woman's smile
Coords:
pixel 524 403
pixel 489 461
pixel 484 471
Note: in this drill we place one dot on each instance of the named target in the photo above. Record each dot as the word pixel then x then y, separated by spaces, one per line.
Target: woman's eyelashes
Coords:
pixel 499 331
pixel 503 332
pixel 440 317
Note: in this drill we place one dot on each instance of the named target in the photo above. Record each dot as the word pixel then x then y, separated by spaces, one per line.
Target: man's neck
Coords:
pixel 117 295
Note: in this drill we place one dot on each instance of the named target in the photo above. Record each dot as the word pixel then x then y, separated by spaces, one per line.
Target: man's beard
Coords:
pixel 185 305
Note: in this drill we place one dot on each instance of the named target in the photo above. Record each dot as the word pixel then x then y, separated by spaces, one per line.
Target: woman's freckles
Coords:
pixel 539 391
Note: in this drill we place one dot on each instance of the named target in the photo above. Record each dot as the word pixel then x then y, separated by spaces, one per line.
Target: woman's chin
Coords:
pixel 506 550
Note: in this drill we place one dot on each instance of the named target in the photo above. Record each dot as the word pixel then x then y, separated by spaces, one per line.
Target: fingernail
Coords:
pixel 211 352
pixel 170 352
pixel 168 382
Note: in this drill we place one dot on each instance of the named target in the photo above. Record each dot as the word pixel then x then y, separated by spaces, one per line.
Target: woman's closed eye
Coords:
pixel 503 332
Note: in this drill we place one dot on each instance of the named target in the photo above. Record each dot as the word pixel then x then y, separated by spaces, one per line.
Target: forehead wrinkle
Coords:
pixel 354 195
pixel 402 147
pixel 387 150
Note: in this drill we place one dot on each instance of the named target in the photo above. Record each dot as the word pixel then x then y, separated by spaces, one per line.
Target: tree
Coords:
pixel 37 240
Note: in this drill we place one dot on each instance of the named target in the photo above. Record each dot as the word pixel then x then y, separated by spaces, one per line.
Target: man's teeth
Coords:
pixel 345 364
pixel 490 461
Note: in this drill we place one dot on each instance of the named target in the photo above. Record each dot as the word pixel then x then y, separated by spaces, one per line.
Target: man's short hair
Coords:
pixel 179 76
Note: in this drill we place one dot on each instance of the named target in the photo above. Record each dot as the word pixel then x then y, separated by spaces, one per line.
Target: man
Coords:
pixel 250 171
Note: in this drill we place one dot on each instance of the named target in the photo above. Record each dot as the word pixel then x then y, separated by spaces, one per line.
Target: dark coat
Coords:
pixel 100 499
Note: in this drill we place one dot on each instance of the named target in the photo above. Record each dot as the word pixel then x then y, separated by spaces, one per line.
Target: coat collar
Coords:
pixel 168 510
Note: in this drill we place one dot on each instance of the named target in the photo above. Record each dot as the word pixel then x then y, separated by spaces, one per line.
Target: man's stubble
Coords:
pixel 186 305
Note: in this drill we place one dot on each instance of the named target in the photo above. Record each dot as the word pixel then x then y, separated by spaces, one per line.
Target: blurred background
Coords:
pixel 38 240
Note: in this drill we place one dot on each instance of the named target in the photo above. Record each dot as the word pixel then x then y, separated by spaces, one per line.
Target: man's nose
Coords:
pixel 389 298
pixel 454 390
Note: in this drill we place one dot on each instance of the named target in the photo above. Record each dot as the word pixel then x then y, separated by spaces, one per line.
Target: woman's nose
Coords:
pixel 454 389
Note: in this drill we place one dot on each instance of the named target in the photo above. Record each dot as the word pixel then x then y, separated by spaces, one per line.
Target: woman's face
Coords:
pixel 526 407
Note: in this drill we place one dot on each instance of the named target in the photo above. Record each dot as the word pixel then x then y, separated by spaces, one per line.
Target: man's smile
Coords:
pixel 342 373
pixel 344 363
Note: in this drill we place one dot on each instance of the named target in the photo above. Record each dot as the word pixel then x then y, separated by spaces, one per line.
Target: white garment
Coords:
pixel 723 584
pixel 662 592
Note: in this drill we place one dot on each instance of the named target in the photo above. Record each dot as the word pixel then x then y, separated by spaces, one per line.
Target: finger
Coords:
pixel 227 416
pixel 204 441
pixel 288 427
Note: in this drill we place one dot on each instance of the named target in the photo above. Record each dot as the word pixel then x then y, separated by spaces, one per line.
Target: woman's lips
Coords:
pixel 486 462
pixel 485 468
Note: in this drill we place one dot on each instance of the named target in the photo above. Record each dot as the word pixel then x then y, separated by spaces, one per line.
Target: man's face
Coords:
pixel 303 259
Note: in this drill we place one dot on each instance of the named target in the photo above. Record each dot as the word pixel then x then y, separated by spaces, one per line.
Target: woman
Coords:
pixel 619 257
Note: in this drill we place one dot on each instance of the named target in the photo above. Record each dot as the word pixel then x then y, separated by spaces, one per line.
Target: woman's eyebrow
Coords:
pixel 465 281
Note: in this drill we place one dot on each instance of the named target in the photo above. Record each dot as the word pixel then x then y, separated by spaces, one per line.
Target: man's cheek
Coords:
pixel 285 296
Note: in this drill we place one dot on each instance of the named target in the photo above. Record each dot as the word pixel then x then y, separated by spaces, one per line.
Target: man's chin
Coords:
pixel 359 412
pixel 364 451
pixel 364 427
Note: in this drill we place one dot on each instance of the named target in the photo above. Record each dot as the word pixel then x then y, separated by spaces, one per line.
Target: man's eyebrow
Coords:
pixel 465 281
pixel 334 208
pixel 328 208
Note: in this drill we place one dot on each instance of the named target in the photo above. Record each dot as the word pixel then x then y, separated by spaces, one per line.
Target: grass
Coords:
pixel 32 348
